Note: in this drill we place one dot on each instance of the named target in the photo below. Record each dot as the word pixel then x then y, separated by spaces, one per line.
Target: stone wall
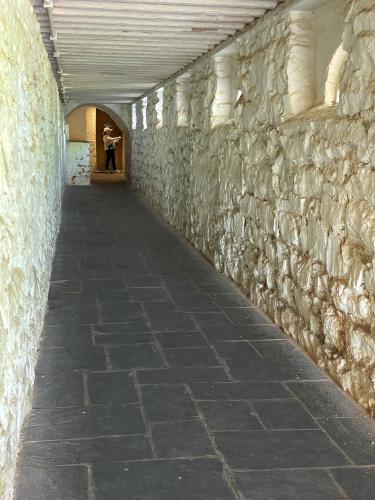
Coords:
pixel 31 178
pixel 283 203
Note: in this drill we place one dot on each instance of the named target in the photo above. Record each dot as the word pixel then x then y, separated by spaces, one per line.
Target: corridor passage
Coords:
pixel 157 380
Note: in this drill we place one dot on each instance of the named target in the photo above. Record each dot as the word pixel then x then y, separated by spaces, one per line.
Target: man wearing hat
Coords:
pixel 110 148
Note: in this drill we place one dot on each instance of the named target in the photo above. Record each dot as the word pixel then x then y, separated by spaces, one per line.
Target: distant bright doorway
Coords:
pixel 86 124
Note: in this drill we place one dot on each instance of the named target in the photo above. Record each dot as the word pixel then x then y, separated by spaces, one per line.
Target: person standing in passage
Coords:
pixel 110 148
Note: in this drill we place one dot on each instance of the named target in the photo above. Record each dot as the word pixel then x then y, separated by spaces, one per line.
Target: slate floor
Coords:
pixel 157 380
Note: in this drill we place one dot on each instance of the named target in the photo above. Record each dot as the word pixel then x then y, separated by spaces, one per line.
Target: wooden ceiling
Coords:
pixel 115 50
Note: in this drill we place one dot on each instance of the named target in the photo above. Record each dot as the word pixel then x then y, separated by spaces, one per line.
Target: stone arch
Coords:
pixel 114 113
pixel 331 95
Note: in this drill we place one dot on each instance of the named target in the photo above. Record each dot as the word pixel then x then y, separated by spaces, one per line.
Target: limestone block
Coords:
pixel 361 347
pixel 350 302
pixel 322 287
pixel 308 182
pixel 334 332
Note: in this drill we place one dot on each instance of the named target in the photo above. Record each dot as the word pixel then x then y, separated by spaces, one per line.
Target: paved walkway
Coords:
pixel 157 380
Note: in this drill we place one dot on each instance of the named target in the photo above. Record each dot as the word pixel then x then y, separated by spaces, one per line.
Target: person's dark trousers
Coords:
pixel 110 156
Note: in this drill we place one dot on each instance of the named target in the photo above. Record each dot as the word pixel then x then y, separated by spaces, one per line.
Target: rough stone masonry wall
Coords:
pixel 31 173
pixel 285 207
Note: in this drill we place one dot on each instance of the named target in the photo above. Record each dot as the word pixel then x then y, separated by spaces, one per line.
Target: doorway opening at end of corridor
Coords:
pixel 84 127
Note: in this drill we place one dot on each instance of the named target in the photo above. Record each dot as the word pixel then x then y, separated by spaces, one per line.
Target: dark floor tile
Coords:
pixel 114 312
pixel 356 436
pixel 66 262
pixel 191 356
pixel 181 339
pixel 324 399
pixel 199 479
pixel 100 285
pixel 211 288
pixel 67 275
pixel 358 484
pixel 181 439
pixel 113 296
pixel 67 335
pixel 148 294
pixel 229 415
pixel 124 357
pixel 167 403
pixel 172 322
pixel 238 351
pixel 286 414
pixel 130 266
pixel 64 286
pixel 287 485
pixel 266 371
pixel 57 483
pixel 83 422
pixel 245 316
pixel 63 249
pixel 60 300
pixel 278 449
pixel 81 315
pixel 203 274
pixel 177 375
pixel 176 288
pixel 210 319
pixel 82 451
pixel 124 338
pixel 193 301
pixel 276 350
pixel 142 280
pixel 231 299
pixel 155 309
pixel 161 259
pixel 98 264
pixel 180 280
pixel 102 273
pixel 64 389
pixel 108 388
pixel 137 325
pixel 239 390
pixel 232 332
pixel 59 359
pixel 162 269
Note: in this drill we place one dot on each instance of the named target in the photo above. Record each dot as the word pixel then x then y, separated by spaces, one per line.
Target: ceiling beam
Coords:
pixel 82 14
pixel 266 4
pixel 71 6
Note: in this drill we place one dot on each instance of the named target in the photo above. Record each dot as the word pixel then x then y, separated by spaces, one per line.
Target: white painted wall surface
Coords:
pixel 78 163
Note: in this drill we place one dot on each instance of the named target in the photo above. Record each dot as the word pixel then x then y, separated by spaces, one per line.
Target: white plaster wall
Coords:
pixel 287 209
pixel 328 22
pixel 78 163
pixel 31 180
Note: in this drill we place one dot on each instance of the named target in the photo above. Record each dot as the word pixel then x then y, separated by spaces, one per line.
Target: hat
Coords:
pixel 107 129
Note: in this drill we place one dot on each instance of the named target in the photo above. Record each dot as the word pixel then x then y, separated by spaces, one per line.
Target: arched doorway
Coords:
pixel 85 123
pixel 104 120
